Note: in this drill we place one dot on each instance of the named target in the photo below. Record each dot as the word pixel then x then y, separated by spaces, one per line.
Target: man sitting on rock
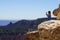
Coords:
pixel 48 15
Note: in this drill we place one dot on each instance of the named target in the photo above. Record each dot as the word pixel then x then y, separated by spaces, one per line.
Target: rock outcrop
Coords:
pixel 48 30
pixel 56 12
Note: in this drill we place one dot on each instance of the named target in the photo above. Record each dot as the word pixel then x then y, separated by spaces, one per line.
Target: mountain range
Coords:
pixel 21 26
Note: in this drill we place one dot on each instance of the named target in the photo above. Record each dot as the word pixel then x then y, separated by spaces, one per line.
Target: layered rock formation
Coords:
pixel 48 30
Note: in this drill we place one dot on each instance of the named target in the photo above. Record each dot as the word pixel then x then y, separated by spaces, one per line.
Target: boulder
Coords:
pixel 56 12
pixel 50 30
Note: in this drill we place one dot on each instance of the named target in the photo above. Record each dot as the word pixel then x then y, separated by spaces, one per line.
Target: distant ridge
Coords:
pixel 23 26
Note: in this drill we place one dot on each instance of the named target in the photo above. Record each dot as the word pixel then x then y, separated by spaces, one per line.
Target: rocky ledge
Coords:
pixel 48 30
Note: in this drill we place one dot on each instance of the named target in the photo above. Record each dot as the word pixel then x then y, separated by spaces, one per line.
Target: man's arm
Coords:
pixel 47 14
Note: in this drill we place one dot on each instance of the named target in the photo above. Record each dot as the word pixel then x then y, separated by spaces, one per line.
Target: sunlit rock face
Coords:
pixel 52 24
pixel 48 30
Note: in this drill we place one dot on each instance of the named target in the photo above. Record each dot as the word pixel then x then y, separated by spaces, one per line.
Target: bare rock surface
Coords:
pixel 52 24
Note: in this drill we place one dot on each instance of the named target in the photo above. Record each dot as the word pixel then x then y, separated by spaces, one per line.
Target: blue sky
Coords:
pixel 26 9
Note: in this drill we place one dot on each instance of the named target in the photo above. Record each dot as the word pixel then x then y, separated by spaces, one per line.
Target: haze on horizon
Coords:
pixel 26 9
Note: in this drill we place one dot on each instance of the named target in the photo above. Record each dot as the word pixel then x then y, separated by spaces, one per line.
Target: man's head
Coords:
pixel 49 12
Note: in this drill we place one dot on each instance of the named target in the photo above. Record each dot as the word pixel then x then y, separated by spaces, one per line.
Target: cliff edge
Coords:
pixel 48 30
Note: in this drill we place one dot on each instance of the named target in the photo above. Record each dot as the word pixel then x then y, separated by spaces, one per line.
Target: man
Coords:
pixel 48 15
